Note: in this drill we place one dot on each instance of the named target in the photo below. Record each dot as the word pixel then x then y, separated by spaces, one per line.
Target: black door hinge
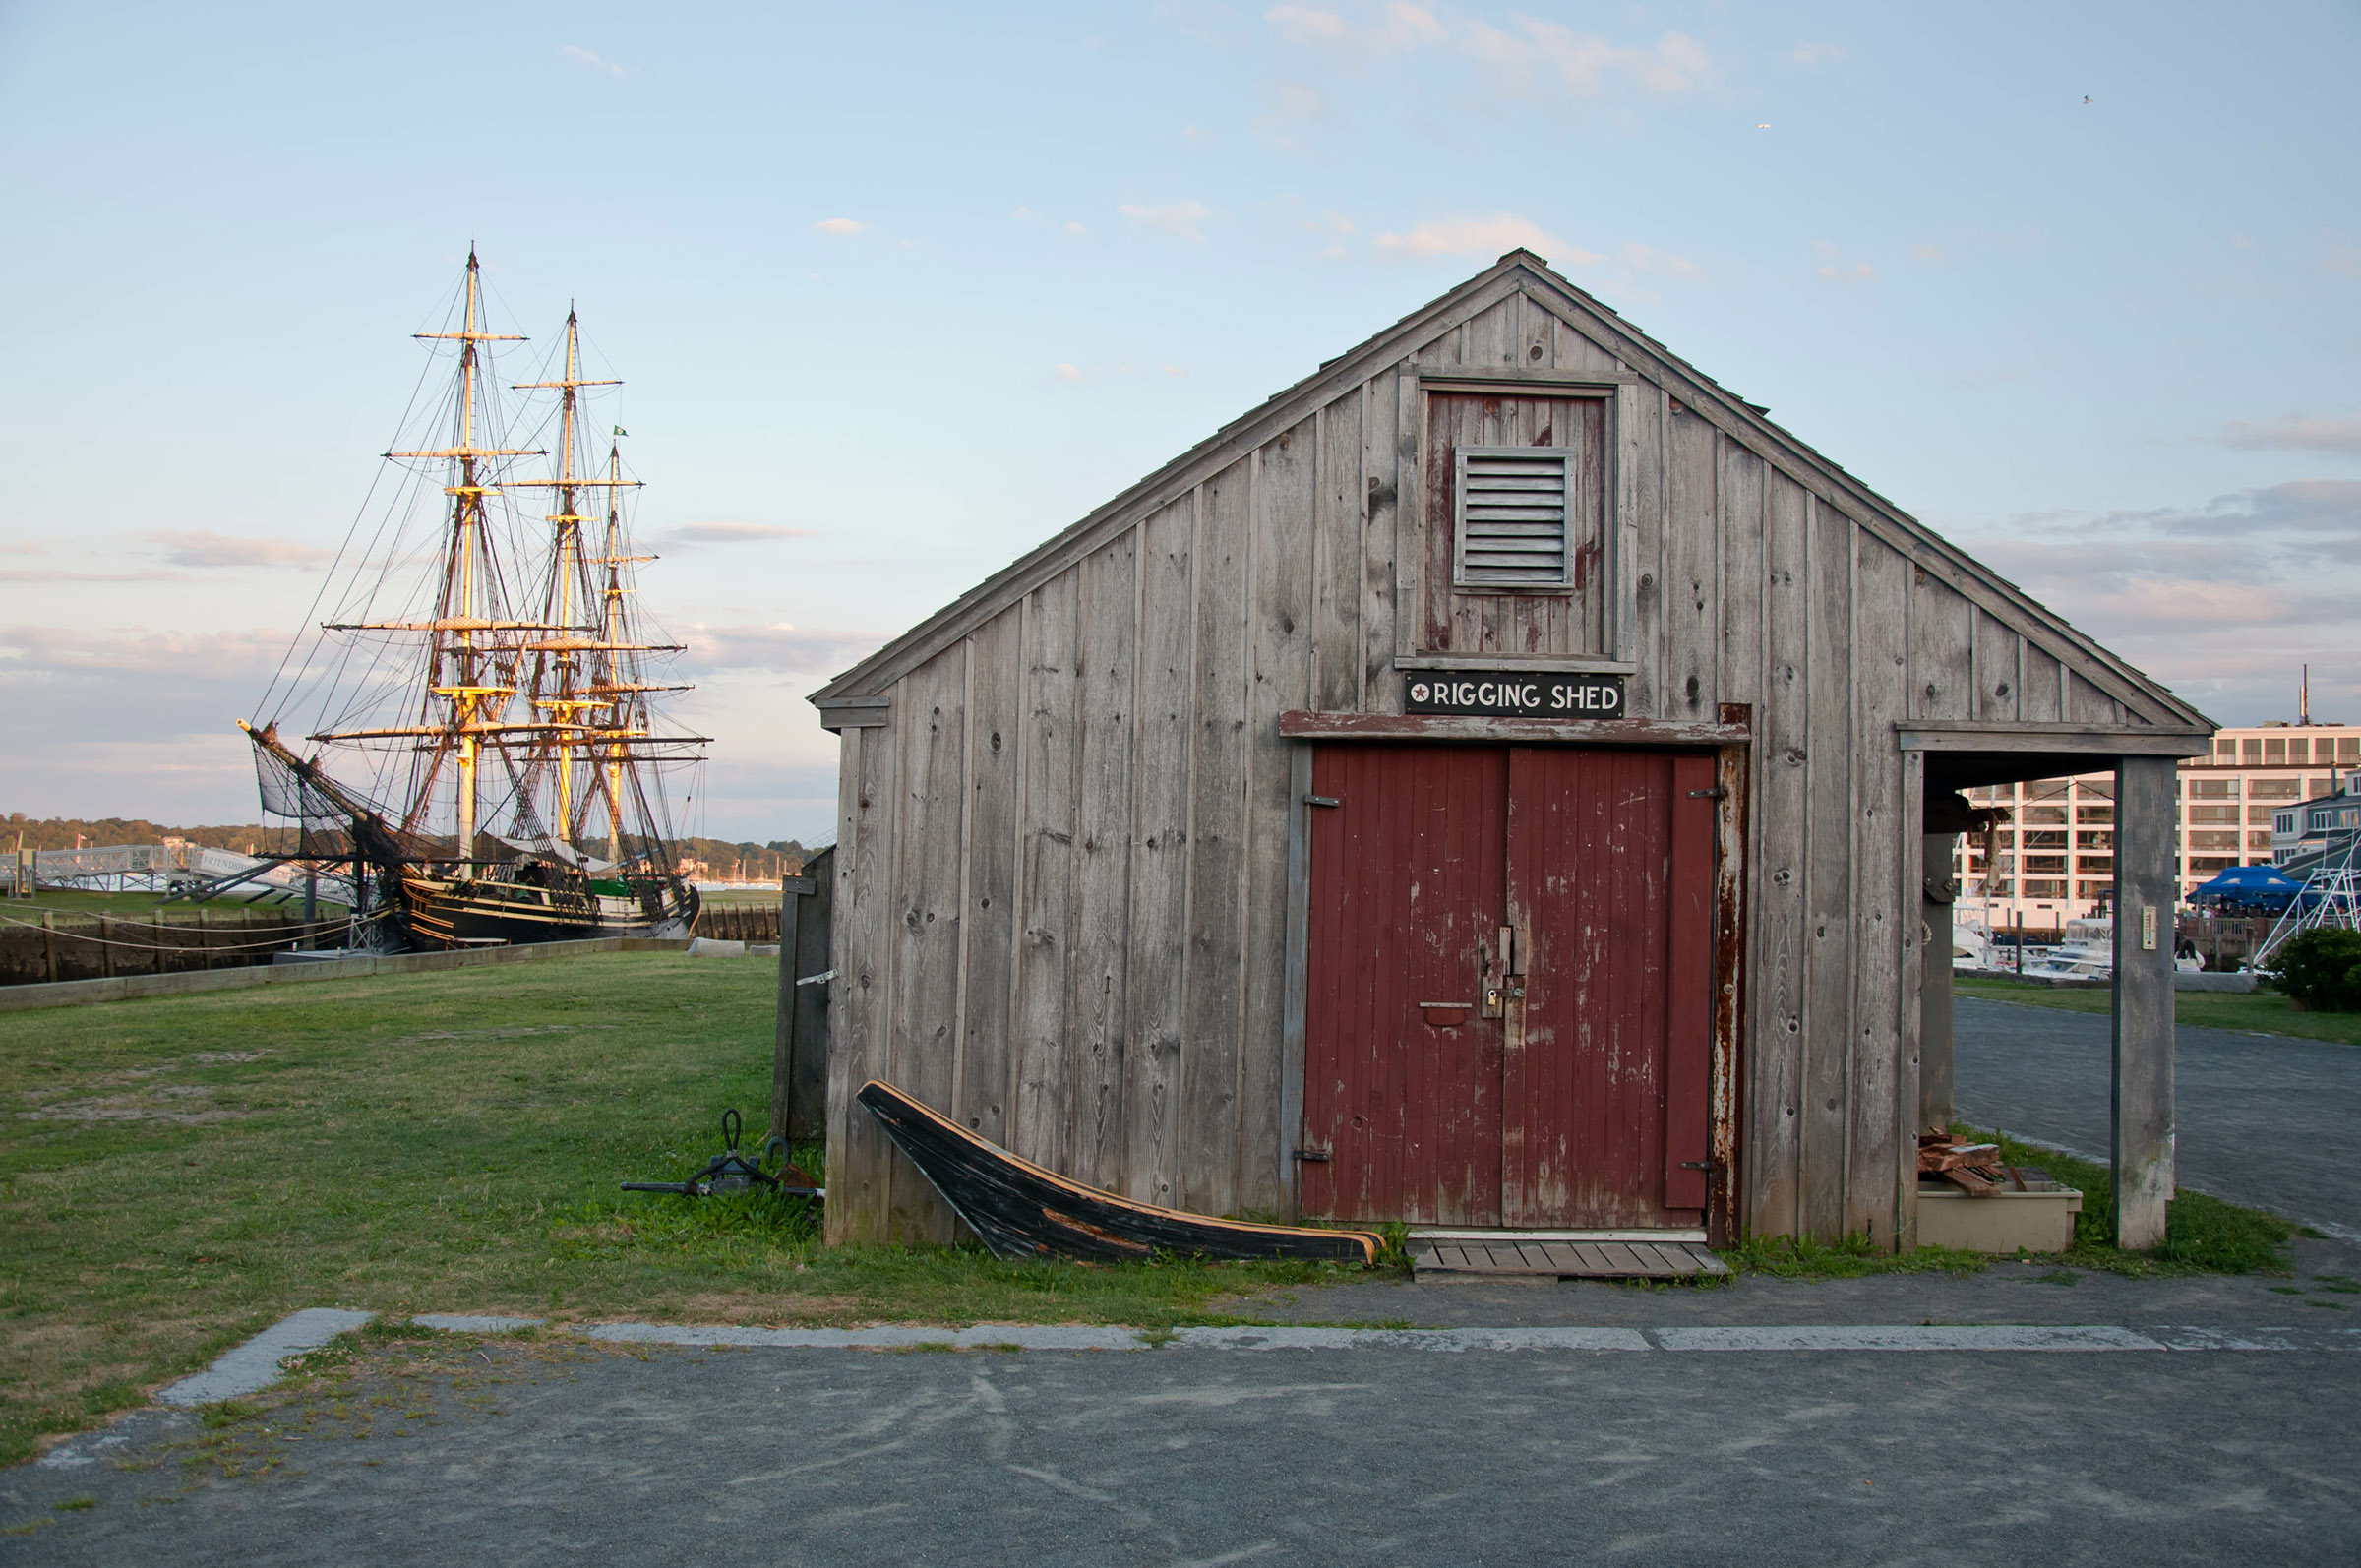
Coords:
pixel 1716 794
pixel 1321 800
pixel 1315 1156
pixel 1696 1165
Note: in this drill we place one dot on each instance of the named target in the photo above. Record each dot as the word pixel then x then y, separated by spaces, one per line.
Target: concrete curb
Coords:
pixel 255 1365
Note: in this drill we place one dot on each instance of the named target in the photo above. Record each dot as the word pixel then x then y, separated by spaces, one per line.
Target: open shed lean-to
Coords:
pixel 1501 781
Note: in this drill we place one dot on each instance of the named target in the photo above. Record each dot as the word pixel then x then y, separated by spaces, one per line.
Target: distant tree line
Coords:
pixel 718 858
pixel 63 832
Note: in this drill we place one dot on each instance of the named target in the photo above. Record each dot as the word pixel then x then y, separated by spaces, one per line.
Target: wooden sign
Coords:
pixel 1508 695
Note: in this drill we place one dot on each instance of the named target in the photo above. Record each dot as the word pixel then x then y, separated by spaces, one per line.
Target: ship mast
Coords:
pixel 556 689
pixel 462 671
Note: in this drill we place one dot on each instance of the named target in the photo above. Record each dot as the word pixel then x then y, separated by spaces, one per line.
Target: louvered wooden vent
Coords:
pixel 1512 516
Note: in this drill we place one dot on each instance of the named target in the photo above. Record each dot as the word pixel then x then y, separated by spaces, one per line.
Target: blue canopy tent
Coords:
pixel 2252 886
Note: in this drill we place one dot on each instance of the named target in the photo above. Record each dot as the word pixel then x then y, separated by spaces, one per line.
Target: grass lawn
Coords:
pixel 177 1173
pixel 2261 1011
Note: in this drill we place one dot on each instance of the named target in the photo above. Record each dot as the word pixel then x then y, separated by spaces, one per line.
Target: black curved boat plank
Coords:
pixel 1021 1210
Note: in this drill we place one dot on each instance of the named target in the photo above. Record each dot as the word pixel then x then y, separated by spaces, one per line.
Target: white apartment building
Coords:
pixel 2054 858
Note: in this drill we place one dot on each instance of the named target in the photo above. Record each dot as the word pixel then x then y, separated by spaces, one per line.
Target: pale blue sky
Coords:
pixel 924 284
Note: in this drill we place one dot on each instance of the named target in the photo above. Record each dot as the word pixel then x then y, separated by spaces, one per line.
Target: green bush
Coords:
pixel 2321 970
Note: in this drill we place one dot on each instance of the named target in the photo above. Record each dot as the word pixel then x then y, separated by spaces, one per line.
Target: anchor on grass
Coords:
pixel 732 1172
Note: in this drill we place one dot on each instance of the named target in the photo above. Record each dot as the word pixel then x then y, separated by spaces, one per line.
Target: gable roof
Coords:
pixel 1520 271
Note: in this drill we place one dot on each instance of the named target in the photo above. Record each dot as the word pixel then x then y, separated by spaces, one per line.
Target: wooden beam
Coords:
pixel 1301 726
pixel 1570 664
pixel 1938 890
pixel 854 713
pixel 1546 383
pixel 1294 1021
pixel 783 1047
pixel 1987 735
pixel 2146 894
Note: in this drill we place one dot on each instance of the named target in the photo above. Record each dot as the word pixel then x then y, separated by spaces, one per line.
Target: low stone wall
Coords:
pixel 78 992
pixel 43 946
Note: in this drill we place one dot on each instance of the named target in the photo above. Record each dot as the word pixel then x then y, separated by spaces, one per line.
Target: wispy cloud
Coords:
pixel 2298 432
pixel 36 574
pixel 695 534
pixel 1648 259
pixel 211 550
pixel 778 647
pixel 1390 30
pixel 841 226
pixel 589 61
pixel 1486 237
pixel 1523 56
pixel 1809 56
pixel 189 656
pixel 1065 372
pixel 2221 599
pixel 1181 220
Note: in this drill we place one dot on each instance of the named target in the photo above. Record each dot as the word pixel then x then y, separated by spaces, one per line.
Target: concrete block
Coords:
pixel 2205 980
pixel 2002 1222
pixel 715 947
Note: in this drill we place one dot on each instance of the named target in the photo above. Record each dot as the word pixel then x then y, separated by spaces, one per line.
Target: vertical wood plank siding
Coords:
pixel 1062 868
pixel 1099 1037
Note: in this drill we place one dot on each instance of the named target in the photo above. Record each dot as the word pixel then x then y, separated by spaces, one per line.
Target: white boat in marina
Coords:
pixel 2086 954
pixel 1971 949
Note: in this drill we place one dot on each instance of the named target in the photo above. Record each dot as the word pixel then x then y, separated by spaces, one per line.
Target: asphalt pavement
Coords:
pixel 2266 1120
pixel 1177 1455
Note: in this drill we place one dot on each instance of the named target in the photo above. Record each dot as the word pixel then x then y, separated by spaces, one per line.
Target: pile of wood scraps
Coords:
pixel 1975 1169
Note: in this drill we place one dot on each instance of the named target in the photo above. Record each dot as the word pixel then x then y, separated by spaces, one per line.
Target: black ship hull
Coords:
pixel 437 912
pixel 1020 1210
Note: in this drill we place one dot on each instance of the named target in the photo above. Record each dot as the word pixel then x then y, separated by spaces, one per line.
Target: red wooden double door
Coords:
pixel 1511 971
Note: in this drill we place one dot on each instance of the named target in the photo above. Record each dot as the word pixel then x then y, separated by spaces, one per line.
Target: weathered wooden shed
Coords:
pixel 1487 784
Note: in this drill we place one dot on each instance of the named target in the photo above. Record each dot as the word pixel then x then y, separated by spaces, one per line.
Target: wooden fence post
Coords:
pixel 50 942
pixel 2146 893
pixel 106 947
pixel 782 1054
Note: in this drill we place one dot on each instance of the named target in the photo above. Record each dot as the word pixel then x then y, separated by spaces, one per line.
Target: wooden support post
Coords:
pixel 782 1052
pixel 1936 1077
pixel 205 943
pixel 106 947
pixel 2146 894
pixel 50 942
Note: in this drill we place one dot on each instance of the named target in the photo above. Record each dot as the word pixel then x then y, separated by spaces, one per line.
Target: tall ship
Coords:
pixel 475 734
